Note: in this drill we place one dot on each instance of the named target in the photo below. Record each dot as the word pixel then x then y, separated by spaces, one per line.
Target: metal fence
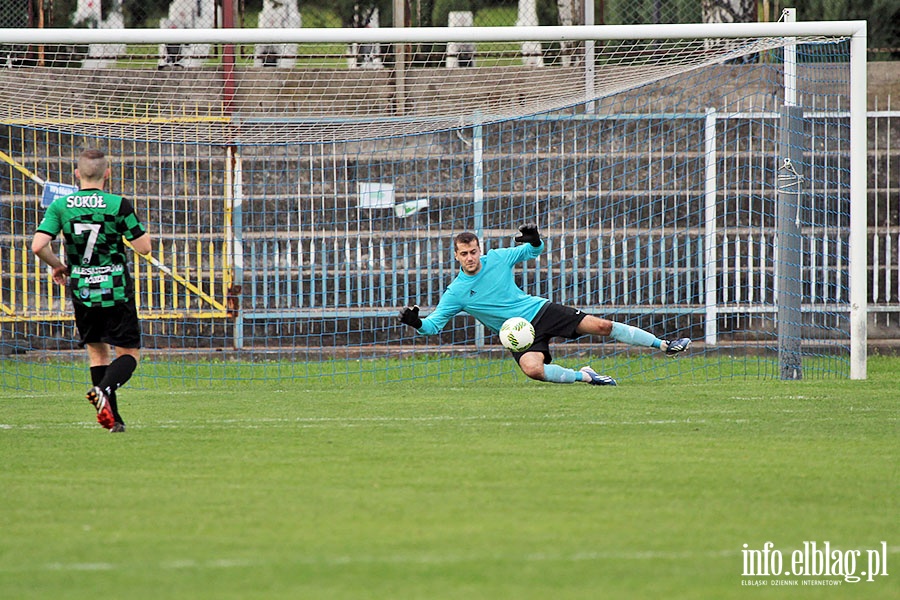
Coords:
pixel 282 13
pixel 332 267
pixel 883 38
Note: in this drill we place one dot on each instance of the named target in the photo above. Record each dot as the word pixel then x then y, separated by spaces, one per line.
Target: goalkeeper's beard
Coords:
pixel 471 268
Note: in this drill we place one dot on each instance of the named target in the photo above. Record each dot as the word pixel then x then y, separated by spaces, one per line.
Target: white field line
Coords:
pixel 705 417
pixel 348 422
pixel 24 394
pixel 396 559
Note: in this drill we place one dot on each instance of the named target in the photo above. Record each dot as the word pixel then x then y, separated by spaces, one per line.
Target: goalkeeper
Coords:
pixel 485 289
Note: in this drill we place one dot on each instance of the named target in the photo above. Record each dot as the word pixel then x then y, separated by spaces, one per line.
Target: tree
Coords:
pixel 729 11
pixel 883 18
pixel 571 12
pixel 356 13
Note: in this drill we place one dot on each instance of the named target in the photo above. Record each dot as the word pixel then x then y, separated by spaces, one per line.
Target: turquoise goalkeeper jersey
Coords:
pixel 491 295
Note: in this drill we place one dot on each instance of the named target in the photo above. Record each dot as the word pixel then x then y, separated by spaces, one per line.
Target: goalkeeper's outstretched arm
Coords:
pixel 433 323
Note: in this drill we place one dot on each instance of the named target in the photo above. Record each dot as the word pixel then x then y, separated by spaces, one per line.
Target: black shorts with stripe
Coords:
pixel 117 325
pixel 553 320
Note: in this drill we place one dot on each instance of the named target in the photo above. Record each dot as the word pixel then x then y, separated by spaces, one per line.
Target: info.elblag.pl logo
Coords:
pixel 812 564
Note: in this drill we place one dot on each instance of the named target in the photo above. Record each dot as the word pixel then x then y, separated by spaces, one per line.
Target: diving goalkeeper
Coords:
pixel 485 289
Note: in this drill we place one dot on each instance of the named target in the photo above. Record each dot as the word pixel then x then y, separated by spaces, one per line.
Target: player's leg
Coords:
pixel 123 333
pixel 97 374
pixel 534 366
pixel 555 320
pixel 119 371
pixel 90 323
pixel 629 334
pixel 117 374
pixel 98 358
pixel 98 353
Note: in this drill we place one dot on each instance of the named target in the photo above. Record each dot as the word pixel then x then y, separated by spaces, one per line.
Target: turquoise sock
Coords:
pixel 634 336
pixel 557 374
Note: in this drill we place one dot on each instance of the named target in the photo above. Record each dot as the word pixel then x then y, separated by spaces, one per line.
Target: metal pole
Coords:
pixel 589 59
pixel 788 252
pixel 399 7
pixel 788 245
pixel 228 59
pixel 858 207
pixel 790 62
pixel 424 35
pixel 478 201
pixel 710 235
pixel 234 244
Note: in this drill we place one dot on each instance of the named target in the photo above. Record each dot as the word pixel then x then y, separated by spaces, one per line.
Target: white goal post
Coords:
pixel 391 35
pixel 410 102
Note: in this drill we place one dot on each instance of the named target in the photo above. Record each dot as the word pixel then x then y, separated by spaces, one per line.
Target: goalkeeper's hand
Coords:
pixel 529 233
pixel 409 315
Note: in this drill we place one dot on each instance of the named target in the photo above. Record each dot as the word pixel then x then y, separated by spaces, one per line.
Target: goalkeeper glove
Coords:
pixel 529 233
pixel 409 315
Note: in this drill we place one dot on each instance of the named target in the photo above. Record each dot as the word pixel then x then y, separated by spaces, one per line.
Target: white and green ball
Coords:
pixel 517 334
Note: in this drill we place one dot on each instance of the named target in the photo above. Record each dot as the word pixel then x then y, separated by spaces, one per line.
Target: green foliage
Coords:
pixel 882 16
pixel 319 17
pixel 349 9
pixel 547 12
pixel 635 12
pixel 138 13
pixel 145 13
pixel 442 8
pixel 498 16
pixel 14 15
pixel 422 14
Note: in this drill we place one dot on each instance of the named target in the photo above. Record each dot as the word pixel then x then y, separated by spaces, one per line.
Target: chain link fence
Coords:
pixel 361 13
pixel 883 15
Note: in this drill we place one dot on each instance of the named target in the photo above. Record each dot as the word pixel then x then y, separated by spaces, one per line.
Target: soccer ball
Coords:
pixel 517 334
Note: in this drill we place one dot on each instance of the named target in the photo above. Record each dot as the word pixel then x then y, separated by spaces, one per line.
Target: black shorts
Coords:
pixel 116 325
pixel 553 320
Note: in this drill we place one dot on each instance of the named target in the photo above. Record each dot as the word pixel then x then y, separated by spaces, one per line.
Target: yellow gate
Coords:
pixel 178 195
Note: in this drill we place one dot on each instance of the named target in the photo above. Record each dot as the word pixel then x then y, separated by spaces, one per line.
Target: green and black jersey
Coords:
pixel 93 223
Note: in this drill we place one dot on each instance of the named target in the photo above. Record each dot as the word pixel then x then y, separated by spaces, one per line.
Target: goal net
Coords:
pixel 303 185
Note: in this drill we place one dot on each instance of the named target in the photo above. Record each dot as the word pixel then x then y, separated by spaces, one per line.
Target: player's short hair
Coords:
pixel 466 237
pixel 92 164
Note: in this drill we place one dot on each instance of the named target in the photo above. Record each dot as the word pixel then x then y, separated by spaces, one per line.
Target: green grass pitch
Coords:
pixel 491 489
